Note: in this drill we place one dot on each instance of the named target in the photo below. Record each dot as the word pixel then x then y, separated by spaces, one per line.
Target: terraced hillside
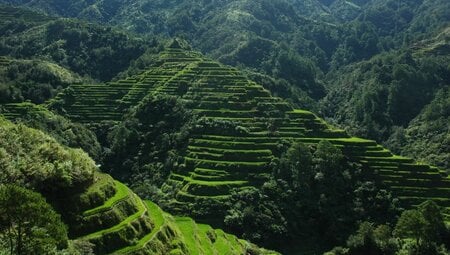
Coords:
pixel 94 103
pixel 9 13
pixel 4 61
pixel 113 218
pixel 100 210
pixel 220 161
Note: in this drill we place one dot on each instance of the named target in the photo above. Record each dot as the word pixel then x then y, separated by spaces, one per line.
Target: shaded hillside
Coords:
pixel 229 30
pixel 378 97
pixel 202 139
pixel 86 49
pixel 99 210
pixel 67 133
pixel 427 137
pixel 295 42
pixel 33 80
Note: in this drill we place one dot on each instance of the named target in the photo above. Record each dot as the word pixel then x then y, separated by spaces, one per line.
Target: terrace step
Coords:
pixel 120 235
pixel 211 188
pixel 156 214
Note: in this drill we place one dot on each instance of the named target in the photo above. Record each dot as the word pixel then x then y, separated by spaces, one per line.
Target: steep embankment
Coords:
pixel 97 208
pixel 218 161
pixel 119 222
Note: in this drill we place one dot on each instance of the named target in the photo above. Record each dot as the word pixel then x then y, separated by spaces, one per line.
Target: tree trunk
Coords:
pixel 19 240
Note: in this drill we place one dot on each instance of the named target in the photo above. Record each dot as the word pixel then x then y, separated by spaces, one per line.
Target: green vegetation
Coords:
pixel 380 99
pixel 213 142
pixel 28 225
pixel 202 239
pixel 427 136
pixel 33 80
pixel 220 145
pixel 417 231
pixel 64 131
pixel 102 215
pixel 121 194
pixel 41 55
pixel 31 159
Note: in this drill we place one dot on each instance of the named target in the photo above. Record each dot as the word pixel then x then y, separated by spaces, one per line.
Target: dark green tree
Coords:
pixel 296 166
pixel 410 225
pixel 256 217
pixel 425 225
pixel 363 242
pixel 29 223
pixel 434 229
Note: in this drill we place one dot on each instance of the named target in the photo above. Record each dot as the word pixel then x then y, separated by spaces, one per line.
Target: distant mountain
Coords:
pixel 258 34
pixel 72 44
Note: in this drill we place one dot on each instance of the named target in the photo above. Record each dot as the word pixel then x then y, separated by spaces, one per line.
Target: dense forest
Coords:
pixel 195 106
pixel 308 50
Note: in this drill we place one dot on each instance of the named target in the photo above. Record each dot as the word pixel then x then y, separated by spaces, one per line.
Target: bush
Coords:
pixel 33 159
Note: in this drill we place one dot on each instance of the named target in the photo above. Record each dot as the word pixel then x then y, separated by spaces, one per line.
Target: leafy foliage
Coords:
pixel 389 90
pixel 67 133
pixel 147 144
pixel 29 158
pixel 310 195
pixel 86 49
pixel 255 217
pixel 423 226
pixel 427 137
pixel 33 80
pixel 364 58
pixel 28 225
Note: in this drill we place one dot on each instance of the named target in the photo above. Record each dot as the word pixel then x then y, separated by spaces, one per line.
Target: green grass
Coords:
pixel 228 163
pixel 157 216
pixel 203 239
pixel 121 194
pixel 101 190
pixel 190 233
pixel 224 245
pixel 124 223
pixel 215 183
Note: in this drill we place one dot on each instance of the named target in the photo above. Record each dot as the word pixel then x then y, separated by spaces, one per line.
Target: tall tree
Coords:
pixel 28 222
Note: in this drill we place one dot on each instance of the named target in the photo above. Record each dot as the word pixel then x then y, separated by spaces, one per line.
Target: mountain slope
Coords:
pixel 98 209
pixel 73 44
pixel 64 131
pixel 427 137
pixel 238 155
pixel 378 97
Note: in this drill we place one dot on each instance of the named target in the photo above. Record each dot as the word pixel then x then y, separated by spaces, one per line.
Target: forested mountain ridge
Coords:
pixel 229 146
pixel 208 115
pixel 380 97
pixel 386 23
pixel 91 51
pixel 303 45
